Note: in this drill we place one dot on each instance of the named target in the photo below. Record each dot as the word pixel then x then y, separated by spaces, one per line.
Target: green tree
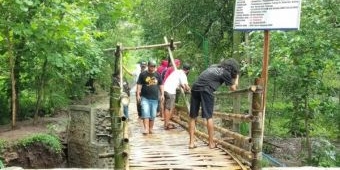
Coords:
pixel 300 62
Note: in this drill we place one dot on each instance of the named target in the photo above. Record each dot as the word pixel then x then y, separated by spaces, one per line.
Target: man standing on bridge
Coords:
pixel 149 88
pixel 227 72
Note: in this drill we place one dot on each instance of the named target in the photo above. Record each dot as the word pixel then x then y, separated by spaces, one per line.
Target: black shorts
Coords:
pixel 205 99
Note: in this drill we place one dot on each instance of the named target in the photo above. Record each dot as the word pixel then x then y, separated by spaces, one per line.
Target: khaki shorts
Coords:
pixel 169 100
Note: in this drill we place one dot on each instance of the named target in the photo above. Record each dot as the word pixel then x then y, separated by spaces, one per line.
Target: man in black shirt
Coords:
pixel 227 72
pixel 149 88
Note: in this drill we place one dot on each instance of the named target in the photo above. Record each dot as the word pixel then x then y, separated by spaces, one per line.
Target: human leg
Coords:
pixel 146 126
pixel 145 109
pixel 153 111
pixel 192 127
pixel 195 102
pixel 162 108
pixel 169 101
pixel 210 126
pixel 207 111
pixel 158 109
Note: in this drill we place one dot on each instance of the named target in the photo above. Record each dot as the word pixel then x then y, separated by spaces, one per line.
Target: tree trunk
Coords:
pixel 11 57
pixel 40 89
pixel 308 144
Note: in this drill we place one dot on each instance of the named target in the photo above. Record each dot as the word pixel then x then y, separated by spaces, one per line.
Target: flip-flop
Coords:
pixel 170 126
pixel 145 132
pixel 192 147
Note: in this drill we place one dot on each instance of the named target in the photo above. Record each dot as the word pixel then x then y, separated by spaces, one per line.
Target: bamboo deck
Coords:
pixel 168 149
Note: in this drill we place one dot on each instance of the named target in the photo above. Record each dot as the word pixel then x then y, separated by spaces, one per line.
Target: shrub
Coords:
pixel 323 154
pixel 49 140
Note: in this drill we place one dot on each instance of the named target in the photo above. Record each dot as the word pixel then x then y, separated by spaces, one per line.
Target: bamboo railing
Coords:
pixel 247 148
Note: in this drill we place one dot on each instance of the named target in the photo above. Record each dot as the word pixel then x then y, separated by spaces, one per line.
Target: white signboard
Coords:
pixel 267 14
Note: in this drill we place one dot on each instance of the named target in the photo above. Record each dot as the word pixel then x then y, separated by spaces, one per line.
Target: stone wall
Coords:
pixel 88 136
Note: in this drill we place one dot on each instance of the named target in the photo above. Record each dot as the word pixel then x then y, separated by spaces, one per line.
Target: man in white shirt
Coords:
pixel 177 78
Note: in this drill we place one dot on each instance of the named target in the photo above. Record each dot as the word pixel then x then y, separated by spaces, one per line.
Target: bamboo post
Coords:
pixel 170 47
pixel 256 131
pixel 236 110
pixel 125 143
pixel 116 120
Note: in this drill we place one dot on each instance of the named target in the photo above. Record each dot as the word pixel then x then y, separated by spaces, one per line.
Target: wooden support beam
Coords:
pixel 252 88
pixel 238 117
pixel 145 46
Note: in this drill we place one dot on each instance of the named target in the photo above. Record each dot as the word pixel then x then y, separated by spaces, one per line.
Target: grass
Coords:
pixel 47 139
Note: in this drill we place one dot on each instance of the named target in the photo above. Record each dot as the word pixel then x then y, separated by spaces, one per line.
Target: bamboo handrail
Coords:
pixel 230 116
pixel 227 116
pixel 236 136
pixel 245 154
pixel 251 88
pixel 143 47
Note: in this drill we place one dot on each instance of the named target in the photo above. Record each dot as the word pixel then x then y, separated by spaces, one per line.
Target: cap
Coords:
pixel 164 63
pixel 143 63
pixel 152 63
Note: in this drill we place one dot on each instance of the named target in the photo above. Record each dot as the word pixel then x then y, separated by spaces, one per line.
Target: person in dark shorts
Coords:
pixel 227 72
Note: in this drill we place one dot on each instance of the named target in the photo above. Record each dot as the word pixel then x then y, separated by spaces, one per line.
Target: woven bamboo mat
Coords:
pixel 168 149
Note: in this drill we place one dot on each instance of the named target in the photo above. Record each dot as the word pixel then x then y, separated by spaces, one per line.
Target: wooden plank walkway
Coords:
pixel 168 149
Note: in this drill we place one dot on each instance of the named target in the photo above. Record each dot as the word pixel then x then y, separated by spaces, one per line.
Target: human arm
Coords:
pixel 235 84
pixel 184 81
pixel 186 88
pixel 161 90
pixel 139 87
pixel 138 92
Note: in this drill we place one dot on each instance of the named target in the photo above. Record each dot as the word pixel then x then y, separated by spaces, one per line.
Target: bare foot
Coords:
pixel 213 145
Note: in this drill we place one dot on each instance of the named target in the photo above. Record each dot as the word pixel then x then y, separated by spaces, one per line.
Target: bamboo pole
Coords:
pixel 115 112
pixel 251 88
pixel 175 68
pixel 256 131
pixel 238 137
pixel 144 47
pixel 125 143
pixel 241 117
pixel 230 116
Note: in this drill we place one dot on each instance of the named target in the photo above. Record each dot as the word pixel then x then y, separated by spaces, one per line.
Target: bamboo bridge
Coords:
pixel 168 149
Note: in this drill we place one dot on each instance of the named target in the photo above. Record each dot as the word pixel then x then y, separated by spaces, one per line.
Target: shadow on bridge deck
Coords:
pixel 168 149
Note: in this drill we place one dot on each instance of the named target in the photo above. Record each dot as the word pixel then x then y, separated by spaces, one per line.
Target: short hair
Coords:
pixel 186 66
pixel 152 63
pixel 143 63
pixel 231 65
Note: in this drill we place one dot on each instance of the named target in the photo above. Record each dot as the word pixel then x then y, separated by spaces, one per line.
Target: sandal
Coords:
pixel 145 132
pixel 170 126
pixel 192 147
